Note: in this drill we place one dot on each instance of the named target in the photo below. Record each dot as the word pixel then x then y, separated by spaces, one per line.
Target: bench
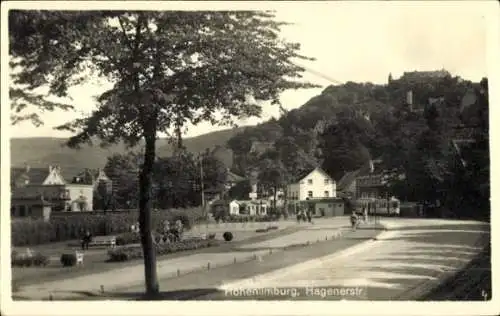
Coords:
pixel 103 241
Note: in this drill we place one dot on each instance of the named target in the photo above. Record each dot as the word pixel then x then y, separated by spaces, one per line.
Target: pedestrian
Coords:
pixel 87 238
pixel 354 220
pixel 365 214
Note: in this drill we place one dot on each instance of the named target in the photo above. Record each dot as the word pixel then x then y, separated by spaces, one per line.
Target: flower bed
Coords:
pixel 135 252
pixel 24 260
pixel 128 238
pixel 249 218
pixel 70 225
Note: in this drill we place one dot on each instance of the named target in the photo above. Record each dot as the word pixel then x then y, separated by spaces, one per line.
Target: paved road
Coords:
pixel 410 259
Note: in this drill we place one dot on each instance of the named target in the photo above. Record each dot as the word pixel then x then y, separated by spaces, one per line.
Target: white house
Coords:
pixel 234 208
pixel 313 184
pixel 250 207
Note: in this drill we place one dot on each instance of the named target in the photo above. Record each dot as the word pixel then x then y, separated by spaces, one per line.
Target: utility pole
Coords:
pixel 202 187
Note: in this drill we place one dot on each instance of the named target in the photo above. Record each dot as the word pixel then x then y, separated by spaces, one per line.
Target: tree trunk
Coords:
pixel 145 209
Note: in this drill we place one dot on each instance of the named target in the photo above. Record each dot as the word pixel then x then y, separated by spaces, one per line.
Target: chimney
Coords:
pixel 409 99
pixel 27 167
pixel 50 168
pixel 372 167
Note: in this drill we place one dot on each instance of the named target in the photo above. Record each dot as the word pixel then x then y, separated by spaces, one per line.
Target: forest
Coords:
pixel 439 142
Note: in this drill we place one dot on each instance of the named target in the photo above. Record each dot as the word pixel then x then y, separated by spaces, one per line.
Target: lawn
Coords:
pixel 95 259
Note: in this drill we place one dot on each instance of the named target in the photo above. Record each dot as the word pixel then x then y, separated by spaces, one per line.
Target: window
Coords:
pixel 310 194
pixel 22 211
pixel 327 194
pixel 327 181
pixel 309 181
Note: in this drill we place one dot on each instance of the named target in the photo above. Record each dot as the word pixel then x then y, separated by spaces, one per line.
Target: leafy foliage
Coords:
pixel 228 236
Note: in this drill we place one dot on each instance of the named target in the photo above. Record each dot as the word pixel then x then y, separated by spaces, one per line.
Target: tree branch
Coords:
pixel 127 40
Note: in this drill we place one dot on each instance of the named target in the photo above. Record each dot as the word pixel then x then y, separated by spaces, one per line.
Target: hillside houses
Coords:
pixel 36 192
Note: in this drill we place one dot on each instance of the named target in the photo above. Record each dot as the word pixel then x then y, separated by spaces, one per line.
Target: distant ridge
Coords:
pixel 45 151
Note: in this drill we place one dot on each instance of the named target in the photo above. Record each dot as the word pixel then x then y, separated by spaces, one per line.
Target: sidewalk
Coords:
pixel 167 268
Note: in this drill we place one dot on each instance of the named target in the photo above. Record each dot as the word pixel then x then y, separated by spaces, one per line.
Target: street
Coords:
pixel 405 262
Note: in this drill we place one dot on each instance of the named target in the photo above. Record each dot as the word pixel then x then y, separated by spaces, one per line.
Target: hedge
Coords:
pixel 68 226
pixel 135 252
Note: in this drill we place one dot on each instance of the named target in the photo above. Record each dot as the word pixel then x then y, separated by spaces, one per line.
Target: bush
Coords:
pixel 68 259
pixel 211 236
pixel 67 226
pixel 36 260
pixel 262 230
pixel 135 252
pixel 128 238
pixel 228 236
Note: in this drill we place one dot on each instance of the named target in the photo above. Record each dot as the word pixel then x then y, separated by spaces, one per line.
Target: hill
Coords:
pixel 44 151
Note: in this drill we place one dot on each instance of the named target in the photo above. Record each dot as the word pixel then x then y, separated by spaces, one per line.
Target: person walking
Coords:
pixel 354 220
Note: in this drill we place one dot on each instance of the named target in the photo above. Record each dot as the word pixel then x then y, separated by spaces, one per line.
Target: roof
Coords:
pixel 462 146
pixel 261 147
pixel 34 175
pixel 220 202
pixel 323 200
pixel 87 176
pixel 233 177
pixel 347 179
pixel 306 172
pixel 378 167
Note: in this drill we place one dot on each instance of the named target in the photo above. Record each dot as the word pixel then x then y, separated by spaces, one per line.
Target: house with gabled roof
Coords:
pixel 315 191
pixel 313 183
pixel 35 189
pixel 346 186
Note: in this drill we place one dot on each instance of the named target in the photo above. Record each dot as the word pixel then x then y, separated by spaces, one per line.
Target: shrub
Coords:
pixel 128 238
pixel 228 236
pixel 261 230
pixel 36 260
pixel 135 252
pixel 211 236
pixel 68 259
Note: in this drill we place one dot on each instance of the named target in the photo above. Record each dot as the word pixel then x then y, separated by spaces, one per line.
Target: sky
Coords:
pixel 351 41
